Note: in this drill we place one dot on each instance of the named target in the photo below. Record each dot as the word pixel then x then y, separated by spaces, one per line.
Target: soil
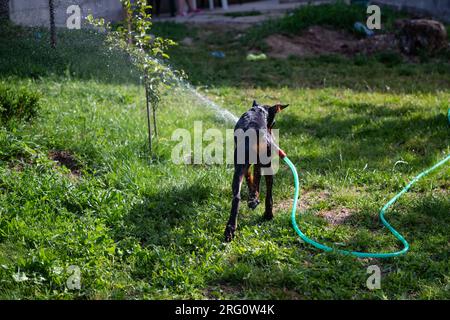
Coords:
pixel 224 289
pixel 213 291
pixel 305 201
pixel 318 40
pixel 336 216
pixel 66 159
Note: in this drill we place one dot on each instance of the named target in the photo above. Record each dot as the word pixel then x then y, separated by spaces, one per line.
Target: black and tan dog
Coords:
pixel 254 146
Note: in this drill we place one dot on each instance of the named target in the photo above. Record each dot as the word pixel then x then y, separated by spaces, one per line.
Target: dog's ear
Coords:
pixel 254 103
pixel 278 107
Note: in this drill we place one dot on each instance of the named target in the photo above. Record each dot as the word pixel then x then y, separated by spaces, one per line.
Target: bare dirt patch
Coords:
pixel 318 40
pixel 226 291
pixel 19 164
pixel 215 292
pixel 66 159
pixel 336 216
pixel 444 189
pixel 291 294
pixel 307 199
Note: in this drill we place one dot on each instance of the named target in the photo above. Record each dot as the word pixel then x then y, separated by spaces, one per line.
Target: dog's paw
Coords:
pixel 229 233
pixel 253 203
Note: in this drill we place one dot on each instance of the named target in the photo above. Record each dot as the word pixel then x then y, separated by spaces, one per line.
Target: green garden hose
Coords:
pixel 383 210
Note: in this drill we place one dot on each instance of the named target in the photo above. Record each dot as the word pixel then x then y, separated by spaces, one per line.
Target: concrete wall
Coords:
pixel 36 12
pixel 307 1
pixel 436 8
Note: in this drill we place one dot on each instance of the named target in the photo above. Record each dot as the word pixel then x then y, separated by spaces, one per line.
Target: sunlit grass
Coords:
pixel 154 230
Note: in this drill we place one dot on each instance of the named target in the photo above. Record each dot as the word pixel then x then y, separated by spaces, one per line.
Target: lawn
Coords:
pixel 358 130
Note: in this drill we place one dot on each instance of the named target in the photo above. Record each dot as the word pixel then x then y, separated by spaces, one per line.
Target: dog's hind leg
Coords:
pixel 239 172
pixel 268 214
pixel 253 181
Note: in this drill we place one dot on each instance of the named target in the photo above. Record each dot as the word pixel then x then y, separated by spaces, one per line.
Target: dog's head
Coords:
pixel 271 112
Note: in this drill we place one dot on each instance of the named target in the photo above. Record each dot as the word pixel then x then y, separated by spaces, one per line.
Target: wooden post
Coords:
pixel 52 23
pixel 147 98
pixel 130 40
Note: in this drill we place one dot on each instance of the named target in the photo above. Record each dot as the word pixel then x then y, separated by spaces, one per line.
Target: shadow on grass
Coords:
pixel 362 74
pixel 81 54
pixel 424 223
pixel 422 218
pixel 154 221
pixel 374 134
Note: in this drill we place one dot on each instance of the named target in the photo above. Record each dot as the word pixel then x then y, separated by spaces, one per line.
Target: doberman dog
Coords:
pixel 253 146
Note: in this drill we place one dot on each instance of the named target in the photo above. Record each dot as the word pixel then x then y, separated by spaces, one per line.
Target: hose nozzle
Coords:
pixel 282 154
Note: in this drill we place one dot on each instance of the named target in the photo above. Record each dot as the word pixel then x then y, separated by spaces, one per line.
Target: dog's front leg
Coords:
pixel 239 172
pixel 268 214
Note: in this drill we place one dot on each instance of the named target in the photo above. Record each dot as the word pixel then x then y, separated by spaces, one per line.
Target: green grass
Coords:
pixel 154 230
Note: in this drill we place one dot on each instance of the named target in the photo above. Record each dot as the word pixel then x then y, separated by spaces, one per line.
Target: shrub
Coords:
pixel 20 104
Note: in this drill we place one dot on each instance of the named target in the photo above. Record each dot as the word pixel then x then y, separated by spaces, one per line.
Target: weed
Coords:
pixel 20 104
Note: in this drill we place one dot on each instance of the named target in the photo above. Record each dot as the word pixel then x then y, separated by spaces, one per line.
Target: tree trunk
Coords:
pixel 52 23
pixel 154 121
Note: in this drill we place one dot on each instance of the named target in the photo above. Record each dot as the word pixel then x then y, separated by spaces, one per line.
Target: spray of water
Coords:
pixel 221 112
pixel 182 83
